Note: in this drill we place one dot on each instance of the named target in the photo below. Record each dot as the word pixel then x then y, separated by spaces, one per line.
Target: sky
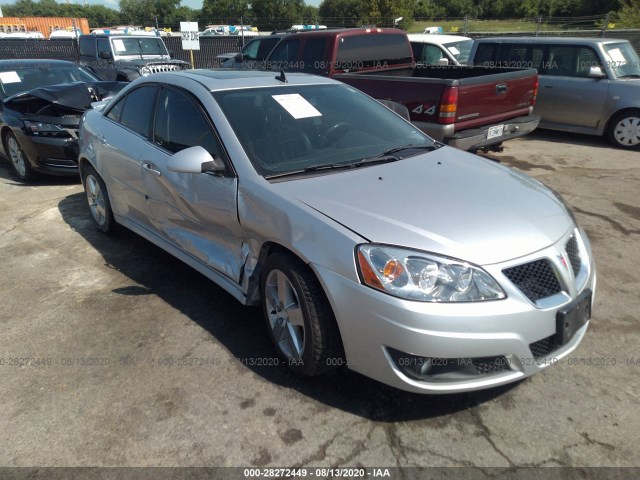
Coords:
pixel 114 3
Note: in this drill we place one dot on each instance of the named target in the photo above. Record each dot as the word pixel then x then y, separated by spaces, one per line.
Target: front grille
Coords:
pixel 544 347
pixel 535 280
pixel 163 68
pixel 573 252
pixel 490 365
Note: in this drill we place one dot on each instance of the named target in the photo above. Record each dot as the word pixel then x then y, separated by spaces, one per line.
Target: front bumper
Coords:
pixel 477 138
pixel 51 155
pixel 374 325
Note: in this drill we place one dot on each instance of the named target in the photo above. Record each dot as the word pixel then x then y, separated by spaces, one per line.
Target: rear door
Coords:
pixel 124 131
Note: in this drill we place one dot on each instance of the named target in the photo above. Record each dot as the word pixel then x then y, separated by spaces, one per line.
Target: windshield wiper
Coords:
pixel 390 155
pixel 629 75
pixel 314 168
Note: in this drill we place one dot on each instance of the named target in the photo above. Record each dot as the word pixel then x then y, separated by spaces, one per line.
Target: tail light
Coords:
pixel 535 93
pixel 448 105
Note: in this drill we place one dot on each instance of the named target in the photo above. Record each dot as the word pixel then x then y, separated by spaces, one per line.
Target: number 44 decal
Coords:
pixel 427 111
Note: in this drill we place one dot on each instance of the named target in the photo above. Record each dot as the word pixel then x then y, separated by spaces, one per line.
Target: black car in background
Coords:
pixel 41 102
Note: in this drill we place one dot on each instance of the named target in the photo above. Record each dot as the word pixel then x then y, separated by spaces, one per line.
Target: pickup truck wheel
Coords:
pixel 298 315
pixel 624 130
pixel 19 160
pixel 98 200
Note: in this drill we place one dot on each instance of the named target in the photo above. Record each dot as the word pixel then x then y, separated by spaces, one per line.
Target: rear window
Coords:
pixel 372 50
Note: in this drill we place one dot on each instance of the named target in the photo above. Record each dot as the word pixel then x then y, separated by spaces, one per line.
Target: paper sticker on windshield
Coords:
pixel 297 106
pixel 9 77
pixel 617 56
pixel 454 50
pixel 118 44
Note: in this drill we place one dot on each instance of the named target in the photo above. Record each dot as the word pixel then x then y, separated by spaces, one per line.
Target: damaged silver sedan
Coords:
pixel 367 244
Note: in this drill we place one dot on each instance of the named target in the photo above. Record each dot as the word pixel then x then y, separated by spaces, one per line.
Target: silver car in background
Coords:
pixel 366 243
pixel 587 85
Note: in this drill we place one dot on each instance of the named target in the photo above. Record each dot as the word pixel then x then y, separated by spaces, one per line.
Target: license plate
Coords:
pixel 573 316
pixel 495 131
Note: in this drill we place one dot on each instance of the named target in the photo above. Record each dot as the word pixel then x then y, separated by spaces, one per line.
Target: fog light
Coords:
pixel 411 365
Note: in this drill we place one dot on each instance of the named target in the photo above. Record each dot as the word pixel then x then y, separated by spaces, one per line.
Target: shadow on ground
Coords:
pixel 241 330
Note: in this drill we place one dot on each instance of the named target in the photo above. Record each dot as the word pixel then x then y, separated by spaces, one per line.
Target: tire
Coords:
pixel 299 318
pixel 98 200
pixel 19 160
pixel 624 130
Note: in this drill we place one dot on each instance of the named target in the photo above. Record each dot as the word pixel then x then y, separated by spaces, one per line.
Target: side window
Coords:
pixel 103 46
pixel 138 110
pixel 313 54
pixel 180 124
pixel 116 111
pixel 587 58
pixel 432 53
pixel 562 61
pixel 87 46
pixel 486 54
pixel 250 51
pixel 266 45
pixel 285 52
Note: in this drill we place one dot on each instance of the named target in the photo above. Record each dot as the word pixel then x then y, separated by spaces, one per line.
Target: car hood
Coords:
pixel 447 202
pixel 62 98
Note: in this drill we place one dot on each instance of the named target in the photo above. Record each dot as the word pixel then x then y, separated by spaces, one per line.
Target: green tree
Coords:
pixel 225 11
pixel 629 14
pixel 343 13
pixel 145 11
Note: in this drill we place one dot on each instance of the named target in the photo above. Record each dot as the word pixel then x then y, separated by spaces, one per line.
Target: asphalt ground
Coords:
pixel 113 353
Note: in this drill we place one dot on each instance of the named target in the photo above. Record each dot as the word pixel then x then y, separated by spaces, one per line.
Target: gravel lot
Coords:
pixel 112 353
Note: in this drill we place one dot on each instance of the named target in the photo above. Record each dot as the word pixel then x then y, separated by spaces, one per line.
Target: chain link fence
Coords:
pixel 211 47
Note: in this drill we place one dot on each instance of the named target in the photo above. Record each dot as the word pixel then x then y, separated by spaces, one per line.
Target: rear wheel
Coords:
pixel 298 315
pixel 98 200
pixel 624 130
pixel 19 160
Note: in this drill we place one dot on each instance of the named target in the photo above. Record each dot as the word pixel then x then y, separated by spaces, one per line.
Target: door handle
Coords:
pixel 151 168
pixel 501 88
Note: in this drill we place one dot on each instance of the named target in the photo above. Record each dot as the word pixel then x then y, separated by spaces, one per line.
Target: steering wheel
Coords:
pixel 336 131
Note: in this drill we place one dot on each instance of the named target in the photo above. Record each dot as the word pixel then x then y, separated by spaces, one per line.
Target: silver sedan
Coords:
pixel 367 244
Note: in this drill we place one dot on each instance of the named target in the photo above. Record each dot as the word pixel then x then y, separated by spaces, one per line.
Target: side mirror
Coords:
pixel 239 57
pixel 442 62
pixel 194 160
pixel 106 55
pixel 596 72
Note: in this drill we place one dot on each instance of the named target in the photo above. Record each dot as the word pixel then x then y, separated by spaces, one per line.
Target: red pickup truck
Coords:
pixel 467 107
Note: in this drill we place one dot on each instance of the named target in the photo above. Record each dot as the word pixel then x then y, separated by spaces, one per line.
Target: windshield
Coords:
pixel 622 59
pixel 305 127
pixel 138 46
pixel 460 50
pixel 14 81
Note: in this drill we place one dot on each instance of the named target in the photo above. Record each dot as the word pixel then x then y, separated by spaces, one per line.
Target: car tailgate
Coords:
pixel 499 96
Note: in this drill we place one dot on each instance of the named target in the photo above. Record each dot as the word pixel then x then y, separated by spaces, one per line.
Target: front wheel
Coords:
pixel 298 315
pixel 624 130
pixel 98 200
pixel 19 161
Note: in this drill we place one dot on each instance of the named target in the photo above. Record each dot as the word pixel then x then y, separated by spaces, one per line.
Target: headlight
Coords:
pixel 423 276
pixel 144 71
pixel 46 129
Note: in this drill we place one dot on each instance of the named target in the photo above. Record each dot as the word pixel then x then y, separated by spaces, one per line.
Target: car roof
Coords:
pixel 16 64
pixel 218 80
pixel 345 32
pixel 436 38
pixel 548 40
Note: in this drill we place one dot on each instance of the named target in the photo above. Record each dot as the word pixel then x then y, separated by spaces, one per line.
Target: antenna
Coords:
pixel 282 77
